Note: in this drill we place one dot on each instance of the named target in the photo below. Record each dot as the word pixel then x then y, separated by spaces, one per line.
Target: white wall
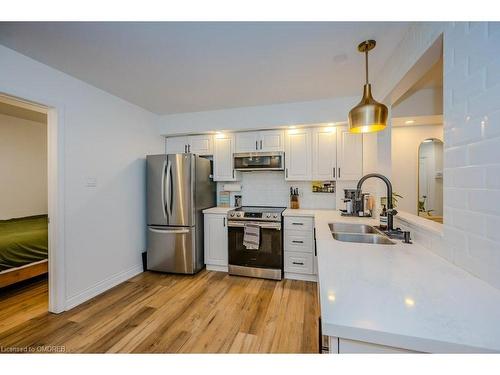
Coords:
pixel 405 143
pixel 107 139
pixel 259 117
pixel 471 137
pixel 424 102
pixel 23 167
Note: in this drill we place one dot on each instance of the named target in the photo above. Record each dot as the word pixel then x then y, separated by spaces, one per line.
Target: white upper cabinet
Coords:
pixel 298 165
pixel 263 141
pixel 176 145
pixel 271 140
pixel 201 144
pixel 223 158
pixel 196 144
pixel 324 153
pixel 247 142
pixel 349 155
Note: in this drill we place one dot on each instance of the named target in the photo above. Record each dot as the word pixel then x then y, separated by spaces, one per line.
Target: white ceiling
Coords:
pixel 193 66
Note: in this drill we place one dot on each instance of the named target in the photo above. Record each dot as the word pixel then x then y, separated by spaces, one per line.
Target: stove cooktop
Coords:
pixel 256 213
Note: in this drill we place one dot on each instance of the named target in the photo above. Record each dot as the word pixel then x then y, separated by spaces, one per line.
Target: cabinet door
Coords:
pixel 247 142
pixel 215 240
pixel 271 140
pixel 298 155
pixel 223 158
pixel 349 155
pixel 201 144
pixel 176 145
pixel 324 154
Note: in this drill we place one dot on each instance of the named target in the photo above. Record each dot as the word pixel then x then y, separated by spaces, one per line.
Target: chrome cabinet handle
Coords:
pixel 334 172
pixel 294 241
pixel 224 221
pixel 297 223
pixel 256 145
pixel 286 172
pixel 298 263
pixel 189 148
pixel 339 172
pixel 261 144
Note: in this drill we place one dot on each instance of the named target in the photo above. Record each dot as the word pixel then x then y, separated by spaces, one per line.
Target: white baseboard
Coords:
pixel 300 276
pixel 103 286
pixel 212 267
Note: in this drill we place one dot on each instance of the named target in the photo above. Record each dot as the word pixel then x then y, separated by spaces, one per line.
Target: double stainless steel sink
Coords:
pixel 360 233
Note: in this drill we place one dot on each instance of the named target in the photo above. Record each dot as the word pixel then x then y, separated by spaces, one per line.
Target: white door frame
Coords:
pixel 55 179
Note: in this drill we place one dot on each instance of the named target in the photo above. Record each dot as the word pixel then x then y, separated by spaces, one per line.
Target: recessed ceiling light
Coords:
pixel 292 127
pixel 408 122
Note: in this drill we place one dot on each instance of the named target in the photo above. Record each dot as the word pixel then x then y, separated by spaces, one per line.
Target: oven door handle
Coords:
pixel 238 224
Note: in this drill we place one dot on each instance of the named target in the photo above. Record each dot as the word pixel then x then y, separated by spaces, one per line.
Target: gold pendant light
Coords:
pixel 369 115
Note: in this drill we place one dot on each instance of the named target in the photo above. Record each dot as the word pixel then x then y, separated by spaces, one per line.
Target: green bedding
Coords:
pixel 23 241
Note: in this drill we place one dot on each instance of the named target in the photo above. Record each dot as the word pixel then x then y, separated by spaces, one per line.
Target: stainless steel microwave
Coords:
pixel 259 161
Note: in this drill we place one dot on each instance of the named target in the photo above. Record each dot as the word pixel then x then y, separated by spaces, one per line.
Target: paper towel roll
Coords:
pixel 231 187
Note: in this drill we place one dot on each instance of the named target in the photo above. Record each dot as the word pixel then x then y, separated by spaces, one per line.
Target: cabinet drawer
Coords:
pixel 298 262
pixel 299 223
pixel 299 241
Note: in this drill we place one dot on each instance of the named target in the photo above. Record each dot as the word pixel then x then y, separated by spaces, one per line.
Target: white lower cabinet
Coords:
pixel 215 242
pixel 338 345
pixel 299 248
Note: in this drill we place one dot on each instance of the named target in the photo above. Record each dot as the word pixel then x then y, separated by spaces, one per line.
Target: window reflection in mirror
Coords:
pixel 430 180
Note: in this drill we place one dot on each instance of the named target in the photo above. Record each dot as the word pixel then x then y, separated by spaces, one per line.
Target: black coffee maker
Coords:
pixel 354 200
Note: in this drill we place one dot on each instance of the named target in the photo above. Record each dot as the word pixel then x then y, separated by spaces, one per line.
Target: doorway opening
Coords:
pixel 29 210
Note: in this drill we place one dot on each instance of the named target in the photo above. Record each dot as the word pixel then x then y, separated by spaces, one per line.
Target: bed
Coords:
pixel 23 248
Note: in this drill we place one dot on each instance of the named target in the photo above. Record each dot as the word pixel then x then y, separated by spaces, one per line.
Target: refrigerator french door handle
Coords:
pixel 163 171
pixel 169 191
pixel 168 231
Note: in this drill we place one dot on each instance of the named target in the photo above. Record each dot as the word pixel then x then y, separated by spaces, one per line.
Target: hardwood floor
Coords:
pixel 210 312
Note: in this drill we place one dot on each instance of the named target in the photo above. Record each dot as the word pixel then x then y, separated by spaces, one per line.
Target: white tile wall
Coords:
pixel 472 147
pixel 471 237
pixel 270 189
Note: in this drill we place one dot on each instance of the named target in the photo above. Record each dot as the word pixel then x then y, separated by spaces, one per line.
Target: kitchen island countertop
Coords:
pixel 401 295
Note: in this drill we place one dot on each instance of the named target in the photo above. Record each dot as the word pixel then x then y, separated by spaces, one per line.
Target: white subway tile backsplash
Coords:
pixel 455 156
pixel 485 201
pixel 485 152
pixel 469 177
pixel 268 188
pixel 469 221
pixel 455 198
pixel 493 177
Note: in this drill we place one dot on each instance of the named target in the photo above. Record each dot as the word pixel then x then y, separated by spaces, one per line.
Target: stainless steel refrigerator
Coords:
pixel 179 187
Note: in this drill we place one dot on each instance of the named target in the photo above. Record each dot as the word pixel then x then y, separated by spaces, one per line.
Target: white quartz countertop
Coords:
pixel 217 210
pixel 401 295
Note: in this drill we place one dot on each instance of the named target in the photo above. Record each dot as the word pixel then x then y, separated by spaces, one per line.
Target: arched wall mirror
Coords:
pixel 430 179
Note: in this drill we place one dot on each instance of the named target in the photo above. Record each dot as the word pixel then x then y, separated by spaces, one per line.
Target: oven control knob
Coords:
pixel 275 216
pixel 238 214
pixel 232 214
pixel 268 216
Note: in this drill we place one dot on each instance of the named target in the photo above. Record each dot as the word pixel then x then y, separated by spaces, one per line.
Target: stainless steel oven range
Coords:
pixel 265 259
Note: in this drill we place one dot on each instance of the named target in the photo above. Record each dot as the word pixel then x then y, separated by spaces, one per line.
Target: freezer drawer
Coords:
pixel 172 249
